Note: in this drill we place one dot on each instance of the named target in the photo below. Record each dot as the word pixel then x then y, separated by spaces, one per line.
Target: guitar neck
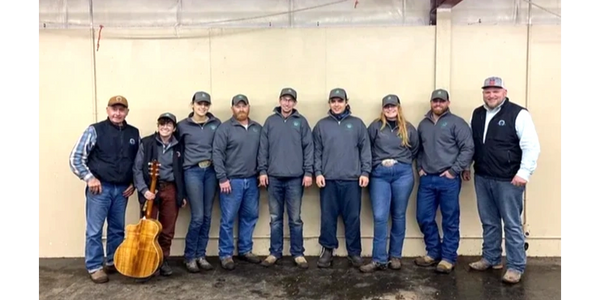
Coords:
pixel 150 203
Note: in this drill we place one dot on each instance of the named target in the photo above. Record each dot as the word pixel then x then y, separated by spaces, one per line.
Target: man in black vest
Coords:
pixel 103 157
pixel 170 195
pixel 446 150
pixel 506 153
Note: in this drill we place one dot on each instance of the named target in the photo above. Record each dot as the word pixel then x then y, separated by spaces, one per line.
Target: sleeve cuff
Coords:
pixel 224 179
pixel 364 174
pixel 318 173
pixel 307 174
pixel 263 173
pixel 88 177
pixel 524 174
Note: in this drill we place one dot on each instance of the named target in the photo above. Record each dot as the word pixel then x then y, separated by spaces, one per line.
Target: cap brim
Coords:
pixel 492 86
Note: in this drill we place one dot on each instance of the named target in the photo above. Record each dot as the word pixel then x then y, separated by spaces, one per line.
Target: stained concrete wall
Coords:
pixel 159 70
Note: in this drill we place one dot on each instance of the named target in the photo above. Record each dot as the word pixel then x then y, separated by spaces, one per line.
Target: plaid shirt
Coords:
pixel 80 153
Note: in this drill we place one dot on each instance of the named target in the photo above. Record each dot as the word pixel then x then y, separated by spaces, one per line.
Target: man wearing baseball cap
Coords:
pixel 342 166
pixel 446 150
pixel 285 164
pixel 235 151
pixel 170 194
pixel 103 157
pixel 506 152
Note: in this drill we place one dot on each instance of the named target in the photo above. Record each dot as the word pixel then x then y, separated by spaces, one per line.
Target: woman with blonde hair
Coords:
pixel 394 146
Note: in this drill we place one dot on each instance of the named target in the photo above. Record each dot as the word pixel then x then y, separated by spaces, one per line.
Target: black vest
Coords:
pixel 151 153
pixel 112 158
pixel 500 157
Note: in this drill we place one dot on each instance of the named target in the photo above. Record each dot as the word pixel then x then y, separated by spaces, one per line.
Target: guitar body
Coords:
pixel 140 255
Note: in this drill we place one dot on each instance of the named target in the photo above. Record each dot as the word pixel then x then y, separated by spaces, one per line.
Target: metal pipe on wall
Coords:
pixel 94 85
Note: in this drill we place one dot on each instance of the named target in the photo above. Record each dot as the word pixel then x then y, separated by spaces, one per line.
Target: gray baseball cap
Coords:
pixel 390 99
pixel 493 81
pixel 239 97
pixel 338 93
pixel 201 96
pixel 169 116
pixel 440 94
pixel 288 92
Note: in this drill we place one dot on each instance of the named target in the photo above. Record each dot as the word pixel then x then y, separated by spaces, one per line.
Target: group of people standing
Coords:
pixel 202 156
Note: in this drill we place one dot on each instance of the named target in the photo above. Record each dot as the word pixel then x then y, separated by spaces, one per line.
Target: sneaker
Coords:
pixel 444 267
pixel 204 264
pixel 99 276
pixel 250 257
pixel 227 263
pixel 326 258
pixel 512 276
pixel 425 261
pixel 483 264
pixel 301 262
pixel 165 269
pixel 355 260
pixel 192 266
pixel 395 263
pixel 372 267
pixel 269 261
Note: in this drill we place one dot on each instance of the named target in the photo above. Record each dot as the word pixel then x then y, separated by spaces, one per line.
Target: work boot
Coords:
pixel 425 261
pixel 192 266
pixel 396 263
pixel 483 264
pixel 165 269
pixel 444 267
pixel 227 263
pixel 110 269
pixel 512 276
pixel 372 267
pixel 355 260
pixel 204 264
pixel 250 257
pixel 269 261
pixel 326 258
pixel 99 276
pixel 301 262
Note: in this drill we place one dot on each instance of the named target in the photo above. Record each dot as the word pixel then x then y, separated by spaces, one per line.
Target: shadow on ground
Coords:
pixel 68 279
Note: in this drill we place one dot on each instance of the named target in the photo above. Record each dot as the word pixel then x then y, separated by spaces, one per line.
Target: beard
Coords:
pixel 439 111
pixel 241 116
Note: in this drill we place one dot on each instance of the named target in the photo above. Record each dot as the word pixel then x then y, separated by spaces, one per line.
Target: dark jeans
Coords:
pixel 241 202
pixel 108 206
pixel 286 192
pixel 341 197
pixel 444 192
pixel 390 189
pixel 497 202
pixel 166 212
pixel 201 187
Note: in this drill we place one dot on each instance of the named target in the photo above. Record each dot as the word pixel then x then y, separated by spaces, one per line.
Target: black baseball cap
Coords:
pixel 168 116
pixel 239 97
pixel 338 93
pixel 288 92
pixel 201 96
pixel 440 94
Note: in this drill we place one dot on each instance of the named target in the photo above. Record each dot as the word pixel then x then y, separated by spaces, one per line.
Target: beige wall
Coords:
pixel 159 72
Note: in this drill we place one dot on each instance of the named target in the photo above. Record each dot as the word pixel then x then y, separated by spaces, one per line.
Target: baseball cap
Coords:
pixel 440 94
pixel 169 116
pixel 390 99
pixel 239 97
pixel 118 100
pixel 338 93
pixel 288 92
pixel 493 81
pixel 201 96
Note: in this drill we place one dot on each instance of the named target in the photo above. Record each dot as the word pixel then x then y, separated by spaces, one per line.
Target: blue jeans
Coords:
pixel 108 206
pixel 341 197
pixel 444 192
pixel 242 201
pixel 390 189
pixel 501 201
pixel 201 188
pixel 286 192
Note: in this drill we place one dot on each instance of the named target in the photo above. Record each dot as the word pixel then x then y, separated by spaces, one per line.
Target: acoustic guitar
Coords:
pixel 140 255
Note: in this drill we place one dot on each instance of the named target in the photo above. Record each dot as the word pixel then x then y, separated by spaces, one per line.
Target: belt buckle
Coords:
pixel 389 162
pixel 204 164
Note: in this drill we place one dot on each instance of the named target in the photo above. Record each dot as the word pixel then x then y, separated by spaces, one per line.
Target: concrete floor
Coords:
pixel 67 279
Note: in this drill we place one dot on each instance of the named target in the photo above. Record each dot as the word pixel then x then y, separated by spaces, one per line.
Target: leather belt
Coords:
pixel 163 184
pixel 205 164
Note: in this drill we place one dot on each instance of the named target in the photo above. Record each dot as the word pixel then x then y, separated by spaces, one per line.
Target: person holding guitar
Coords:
pixel 164 147
pixel 103 157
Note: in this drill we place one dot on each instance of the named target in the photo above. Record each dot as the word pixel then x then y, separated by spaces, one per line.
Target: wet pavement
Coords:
pixel 68 279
